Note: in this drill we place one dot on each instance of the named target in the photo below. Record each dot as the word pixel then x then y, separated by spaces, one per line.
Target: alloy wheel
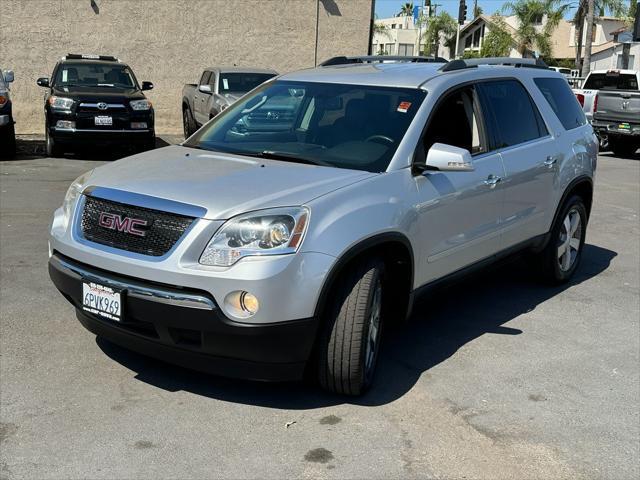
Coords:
pixel 570 239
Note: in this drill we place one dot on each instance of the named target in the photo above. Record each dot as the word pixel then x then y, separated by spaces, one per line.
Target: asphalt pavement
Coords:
pixel 499 377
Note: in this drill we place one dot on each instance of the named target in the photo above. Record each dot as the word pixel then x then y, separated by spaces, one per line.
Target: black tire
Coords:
pixel 188 122
pixel 344 363
pixel 622 147
pixel 8 142
pixel 52 148
pixel 551 265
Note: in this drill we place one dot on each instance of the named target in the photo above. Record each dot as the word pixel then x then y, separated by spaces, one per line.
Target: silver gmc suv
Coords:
pixel 283 235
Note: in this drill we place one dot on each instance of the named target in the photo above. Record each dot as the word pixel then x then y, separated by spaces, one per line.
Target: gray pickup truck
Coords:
pixel 7 130
pixel 616 116
pixel 219 87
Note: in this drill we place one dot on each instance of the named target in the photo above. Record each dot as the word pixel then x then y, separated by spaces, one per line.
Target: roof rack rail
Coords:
pixel 84 56
pixel 507 61
pixel 342 60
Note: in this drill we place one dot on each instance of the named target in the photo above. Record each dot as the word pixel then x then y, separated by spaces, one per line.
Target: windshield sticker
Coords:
pixel 225 83
pixel 64 75
pixel 404 107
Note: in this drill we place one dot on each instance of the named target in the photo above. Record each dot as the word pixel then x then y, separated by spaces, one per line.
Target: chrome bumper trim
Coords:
pixel 137 290
pixel 88 130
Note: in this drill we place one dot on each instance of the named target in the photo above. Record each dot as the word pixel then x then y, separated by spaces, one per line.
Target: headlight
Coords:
pixel 60 103
pixel 140 104
pixel 72 195
pixel 276 231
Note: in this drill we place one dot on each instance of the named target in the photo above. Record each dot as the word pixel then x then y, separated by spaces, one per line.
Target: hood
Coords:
pixel 96 94
pixel 223 184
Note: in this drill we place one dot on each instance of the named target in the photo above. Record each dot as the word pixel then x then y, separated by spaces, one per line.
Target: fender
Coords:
pixel 351 253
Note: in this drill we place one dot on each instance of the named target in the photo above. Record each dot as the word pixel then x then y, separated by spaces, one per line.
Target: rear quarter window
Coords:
pixel 562 101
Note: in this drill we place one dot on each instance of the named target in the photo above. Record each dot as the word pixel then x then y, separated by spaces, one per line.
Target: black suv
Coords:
pixel 96 100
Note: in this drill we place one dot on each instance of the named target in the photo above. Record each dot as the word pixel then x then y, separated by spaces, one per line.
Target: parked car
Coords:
pixel 264 253
pixel 602 79
pixel 566 72
pixel 617 118
pixel 96 100
pixel 219 87
pixel 7 128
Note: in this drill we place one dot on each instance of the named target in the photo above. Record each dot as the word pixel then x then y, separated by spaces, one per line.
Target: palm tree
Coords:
pixel 406 11
pixel 615 7
pixel 530 14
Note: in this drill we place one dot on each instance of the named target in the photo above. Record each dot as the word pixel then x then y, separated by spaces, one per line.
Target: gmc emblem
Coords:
pixel 113 221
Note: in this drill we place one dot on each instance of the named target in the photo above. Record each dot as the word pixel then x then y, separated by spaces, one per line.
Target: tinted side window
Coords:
pixel 512 115
pixel 563 102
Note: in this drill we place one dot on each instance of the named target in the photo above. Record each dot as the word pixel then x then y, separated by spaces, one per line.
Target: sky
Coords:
pixel 389 8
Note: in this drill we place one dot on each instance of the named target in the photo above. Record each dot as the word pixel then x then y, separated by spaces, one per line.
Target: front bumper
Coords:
pixel 186 327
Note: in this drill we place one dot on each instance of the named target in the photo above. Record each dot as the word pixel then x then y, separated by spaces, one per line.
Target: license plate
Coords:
pixel 624 126
pixel 104 120
pixel 102 301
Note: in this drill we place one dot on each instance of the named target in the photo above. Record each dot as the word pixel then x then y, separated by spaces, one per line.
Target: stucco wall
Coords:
pixel 169 42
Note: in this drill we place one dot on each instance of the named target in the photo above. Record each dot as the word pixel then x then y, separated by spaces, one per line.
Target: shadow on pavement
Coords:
pixel 31 148
pixel 438 328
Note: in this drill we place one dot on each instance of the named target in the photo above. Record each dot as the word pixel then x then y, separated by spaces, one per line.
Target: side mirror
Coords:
pixel 43 82
pixel 447 158
pixel 205 88
pixel 147 86
pixel 8 76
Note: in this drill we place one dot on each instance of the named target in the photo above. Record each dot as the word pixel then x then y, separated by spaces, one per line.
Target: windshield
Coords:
pixel 242 82
pixel 346 126
pixel 611 81
pixel 94 75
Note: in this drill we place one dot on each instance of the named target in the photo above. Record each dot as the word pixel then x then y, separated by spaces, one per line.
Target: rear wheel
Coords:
pixel 350 340
pixel 8 142
pixel 188 123
pixel 561 257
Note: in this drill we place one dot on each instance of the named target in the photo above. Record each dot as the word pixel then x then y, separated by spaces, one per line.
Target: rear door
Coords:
pixel 530 156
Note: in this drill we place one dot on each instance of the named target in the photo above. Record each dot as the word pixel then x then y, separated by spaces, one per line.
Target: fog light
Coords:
pixel 241 304
pixel 65 124
pixel 138 124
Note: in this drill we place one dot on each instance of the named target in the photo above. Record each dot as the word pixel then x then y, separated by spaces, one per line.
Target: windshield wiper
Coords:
pixel 286 157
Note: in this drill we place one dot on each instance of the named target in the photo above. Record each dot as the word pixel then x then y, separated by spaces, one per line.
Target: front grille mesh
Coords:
pixel 162 230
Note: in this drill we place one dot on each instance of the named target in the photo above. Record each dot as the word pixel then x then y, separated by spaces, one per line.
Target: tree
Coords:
pixel 586 66
pixel 477 10
pixel 406 11
pixel 530 15
pixel 614 7
pixel 380 29
pixel 497 42
pixel 442 25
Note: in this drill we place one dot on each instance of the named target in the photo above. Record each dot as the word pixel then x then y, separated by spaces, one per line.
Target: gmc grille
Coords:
pixel 162 229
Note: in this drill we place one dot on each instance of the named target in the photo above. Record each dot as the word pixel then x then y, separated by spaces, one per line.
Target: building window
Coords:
pixel 390 49
pixel 476 38
pixel 405 49
pixel 467 41
pixel 393 26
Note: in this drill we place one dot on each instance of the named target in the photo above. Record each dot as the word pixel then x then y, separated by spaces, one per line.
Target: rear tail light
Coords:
pixel 595 103
pixel 580 99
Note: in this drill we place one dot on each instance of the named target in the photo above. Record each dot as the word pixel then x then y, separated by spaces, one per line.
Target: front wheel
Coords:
pixel 350 340
pixel 188 122
pixel 53 149
pixel 561 257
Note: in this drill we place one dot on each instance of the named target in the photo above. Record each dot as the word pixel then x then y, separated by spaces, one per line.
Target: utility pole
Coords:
pixel 462 16
pixel 586 64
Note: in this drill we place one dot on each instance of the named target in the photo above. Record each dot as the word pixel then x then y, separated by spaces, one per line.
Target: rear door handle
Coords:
pixel 492 181
pixel 550 161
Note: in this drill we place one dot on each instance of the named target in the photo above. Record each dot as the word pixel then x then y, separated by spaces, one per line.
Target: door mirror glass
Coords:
pixel 43 82
pixel 8 76
pixel 205 88
pixel 147 86
pixel 447 158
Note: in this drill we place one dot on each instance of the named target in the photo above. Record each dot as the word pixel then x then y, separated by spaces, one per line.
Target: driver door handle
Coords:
pixel 492 181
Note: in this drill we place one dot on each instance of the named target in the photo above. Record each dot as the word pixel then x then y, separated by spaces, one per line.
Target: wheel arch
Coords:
pixel 581 186
pixel 397 253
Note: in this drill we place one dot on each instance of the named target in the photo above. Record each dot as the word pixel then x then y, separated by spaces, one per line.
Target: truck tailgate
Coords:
pixel 619 106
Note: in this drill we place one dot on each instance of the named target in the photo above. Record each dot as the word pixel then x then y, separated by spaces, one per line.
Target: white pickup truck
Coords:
pixel 604 80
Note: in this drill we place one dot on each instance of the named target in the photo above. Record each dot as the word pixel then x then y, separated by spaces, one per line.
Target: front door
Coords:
pixel 459 213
